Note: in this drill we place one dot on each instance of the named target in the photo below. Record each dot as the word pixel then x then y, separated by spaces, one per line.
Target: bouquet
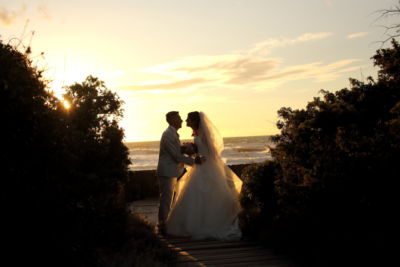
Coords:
pixel 189 148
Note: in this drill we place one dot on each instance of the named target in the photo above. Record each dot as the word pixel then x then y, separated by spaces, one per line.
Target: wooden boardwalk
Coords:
pixel 212 252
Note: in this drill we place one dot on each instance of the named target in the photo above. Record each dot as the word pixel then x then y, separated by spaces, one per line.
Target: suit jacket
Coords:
pixel 171 160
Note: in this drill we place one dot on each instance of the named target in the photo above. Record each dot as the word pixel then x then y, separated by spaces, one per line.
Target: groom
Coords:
pixel 170 165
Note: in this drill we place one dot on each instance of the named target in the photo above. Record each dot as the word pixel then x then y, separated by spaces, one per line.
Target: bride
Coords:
pixel 206 202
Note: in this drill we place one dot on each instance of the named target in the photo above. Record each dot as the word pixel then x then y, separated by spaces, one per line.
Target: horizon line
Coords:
pixel 189 139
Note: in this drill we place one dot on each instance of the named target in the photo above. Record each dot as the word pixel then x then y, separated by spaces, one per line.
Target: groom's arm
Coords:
pixel 175 150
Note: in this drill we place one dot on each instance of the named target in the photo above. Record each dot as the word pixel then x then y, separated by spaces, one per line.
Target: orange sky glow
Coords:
pixel 237 60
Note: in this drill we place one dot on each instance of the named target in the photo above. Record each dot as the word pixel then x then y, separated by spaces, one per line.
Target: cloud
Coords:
pixel 243 69
pixel 7 17
pixel 330 72
pixel 181 84
pixel 357 35
pixel 253 69
pixel 265 46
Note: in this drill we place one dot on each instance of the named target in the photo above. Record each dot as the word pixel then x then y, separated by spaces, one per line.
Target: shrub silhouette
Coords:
pixel 62 193
pixel 335 167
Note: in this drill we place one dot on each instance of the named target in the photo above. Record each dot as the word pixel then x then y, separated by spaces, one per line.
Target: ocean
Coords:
pixel 237 150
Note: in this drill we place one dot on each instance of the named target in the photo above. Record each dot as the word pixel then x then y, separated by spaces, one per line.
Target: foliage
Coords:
pixel 64 170
pixel 340 146
pixel 97 163
pixel 143 248
pixel 336 164
pixel 28 124
pixel 258 186
pixel 258 198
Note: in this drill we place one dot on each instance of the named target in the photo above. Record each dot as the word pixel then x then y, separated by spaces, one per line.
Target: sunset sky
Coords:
pixel 237 60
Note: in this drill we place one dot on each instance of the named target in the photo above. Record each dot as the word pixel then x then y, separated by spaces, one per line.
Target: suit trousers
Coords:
pixel 167 190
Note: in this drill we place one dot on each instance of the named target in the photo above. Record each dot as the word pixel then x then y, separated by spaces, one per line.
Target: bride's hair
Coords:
pixel 194 116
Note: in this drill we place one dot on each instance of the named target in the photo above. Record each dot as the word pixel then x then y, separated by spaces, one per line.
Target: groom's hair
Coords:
pixel 171 115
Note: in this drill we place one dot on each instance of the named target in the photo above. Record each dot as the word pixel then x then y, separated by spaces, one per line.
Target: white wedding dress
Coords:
pixel 206 204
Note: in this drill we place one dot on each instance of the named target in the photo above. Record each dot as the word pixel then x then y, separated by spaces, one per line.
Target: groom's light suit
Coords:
pixel 170 166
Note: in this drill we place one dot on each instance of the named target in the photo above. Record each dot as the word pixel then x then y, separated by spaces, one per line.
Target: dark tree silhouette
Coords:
pixel 335 171
pixel 63 174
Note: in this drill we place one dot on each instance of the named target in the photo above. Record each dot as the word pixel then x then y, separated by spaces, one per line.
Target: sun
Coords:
pixel 66 104
pixel 59 94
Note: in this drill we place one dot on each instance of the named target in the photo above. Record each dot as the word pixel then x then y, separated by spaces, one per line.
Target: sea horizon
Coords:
pixel 237 150
pixel 185 139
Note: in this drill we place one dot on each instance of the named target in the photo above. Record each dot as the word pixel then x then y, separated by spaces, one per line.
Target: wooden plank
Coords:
pixel 186 257
pixel 183 242
pixel 190 242
pixel 240 256
pixel 187 261
pixel 216 246
pixel 211 244
pixel 260 260
pixel 251 262
pixel 244 258
pixel 211 252
pixel 190 264
pixel 175 241
pixel 258 264
pixel 226 251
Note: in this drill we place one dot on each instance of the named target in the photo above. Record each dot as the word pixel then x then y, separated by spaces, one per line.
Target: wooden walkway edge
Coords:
pixel 212 252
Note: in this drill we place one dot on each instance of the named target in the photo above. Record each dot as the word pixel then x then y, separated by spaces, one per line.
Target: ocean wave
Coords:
pixel 235 161
pixel 249 149
pixel 144 152
pixel 238 150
